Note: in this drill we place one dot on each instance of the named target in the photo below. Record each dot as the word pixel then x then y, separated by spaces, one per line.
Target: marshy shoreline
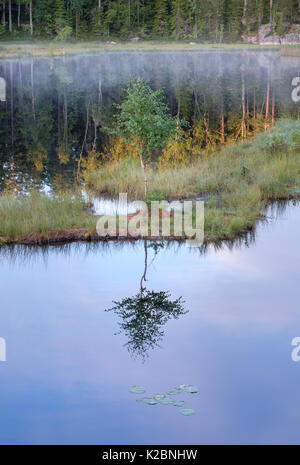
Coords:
pixel 43 48
pixel 240 180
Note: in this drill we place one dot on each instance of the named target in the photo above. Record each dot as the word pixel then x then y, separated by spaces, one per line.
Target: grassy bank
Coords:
pixel 238 182
pixel 38 219
pixel 55 48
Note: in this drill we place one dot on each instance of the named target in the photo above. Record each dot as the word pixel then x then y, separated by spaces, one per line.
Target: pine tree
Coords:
pixel 161 23
pixel 60 15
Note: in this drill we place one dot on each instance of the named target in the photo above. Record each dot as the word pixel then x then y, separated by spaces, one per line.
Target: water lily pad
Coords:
pixel 179 403
pixel 166 401
pixel 137 390
pixel 191 389
pixel 147 400
pixel 174 391
pixel 187 411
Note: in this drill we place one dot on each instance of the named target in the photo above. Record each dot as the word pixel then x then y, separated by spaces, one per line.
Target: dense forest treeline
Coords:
pixel 210 20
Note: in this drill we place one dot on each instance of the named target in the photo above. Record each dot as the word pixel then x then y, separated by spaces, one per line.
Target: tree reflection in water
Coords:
pixel 144 315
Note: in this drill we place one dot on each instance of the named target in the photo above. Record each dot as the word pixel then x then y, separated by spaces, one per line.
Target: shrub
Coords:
pixel 64 34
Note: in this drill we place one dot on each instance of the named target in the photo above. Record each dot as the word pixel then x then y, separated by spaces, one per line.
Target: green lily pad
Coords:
pixel 187 411
pixel 174 391
pixel 137 390
pixel 191 389
pixel 166 401
pixel 179 403
pixel 147 400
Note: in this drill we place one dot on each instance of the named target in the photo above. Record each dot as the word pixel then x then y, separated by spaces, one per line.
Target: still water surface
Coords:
pixel 67 375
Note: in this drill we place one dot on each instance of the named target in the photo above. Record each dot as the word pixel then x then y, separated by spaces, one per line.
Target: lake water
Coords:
pixel 55 107
pixel 68 374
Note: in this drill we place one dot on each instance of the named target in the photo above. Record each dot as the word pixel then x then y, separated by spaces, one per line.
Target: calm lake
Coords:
pixel 68 374
pixel 70 363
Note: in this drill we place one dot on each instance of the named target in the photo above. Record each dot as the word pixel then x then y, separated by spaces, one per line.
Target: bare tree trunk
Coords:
pixel 244 18
pixel 3 19
pixel 30 18
pixel 271 11
pixel 267 101
pixel 19 14
pixel 12 102
pixel 9 16
pixel 99 8
pixel 32 90
pixel 273 108
pixel 77 24
pixel 196 19
pixel 84 141
pixel 144 277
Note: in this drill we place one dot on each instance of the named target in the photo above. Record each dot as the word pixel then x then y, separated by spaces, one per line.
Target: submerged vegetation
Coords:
pixel 237 183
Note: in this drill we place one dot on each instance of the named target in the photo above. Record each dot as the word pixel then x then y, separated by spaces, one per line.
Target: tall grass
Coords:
pixel 39 215
pixel 238 181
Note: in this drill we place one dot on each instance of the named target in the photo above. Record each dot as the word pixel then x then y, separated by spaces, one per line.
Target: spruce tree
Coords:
pixel 161 23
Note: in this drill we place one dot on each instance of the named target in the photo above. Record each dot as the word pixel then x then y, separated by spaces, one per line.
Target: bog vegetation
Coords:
pixel 237 182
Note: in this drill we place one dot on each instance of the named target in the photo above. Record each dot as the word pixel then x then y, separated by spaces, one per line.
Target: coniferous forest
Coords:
pixel 206 20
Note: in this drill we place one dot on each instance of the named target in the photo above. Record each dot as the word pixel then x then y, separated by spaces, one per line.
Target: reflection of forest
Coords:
pixel 144 315
pixel 56 109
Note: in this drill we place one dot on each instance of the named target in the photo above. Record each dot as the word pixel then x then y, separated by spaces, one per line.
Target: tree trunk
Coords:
pixel 99 8
pixel 273 108
pixel 19 14
pixel 30 18
pixel 271 11
pixel 77 24
pixel 3 19
pixel 244 18
pixel 32 90
pixel 267 101
pixel 144 171
pixel 9 16
pixel 144 277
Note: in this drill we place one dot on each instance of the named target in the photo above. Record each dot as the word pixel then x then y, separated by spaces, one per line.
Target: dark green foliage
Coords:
pixel 209 20
pixel 143 316
pixel 145 118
